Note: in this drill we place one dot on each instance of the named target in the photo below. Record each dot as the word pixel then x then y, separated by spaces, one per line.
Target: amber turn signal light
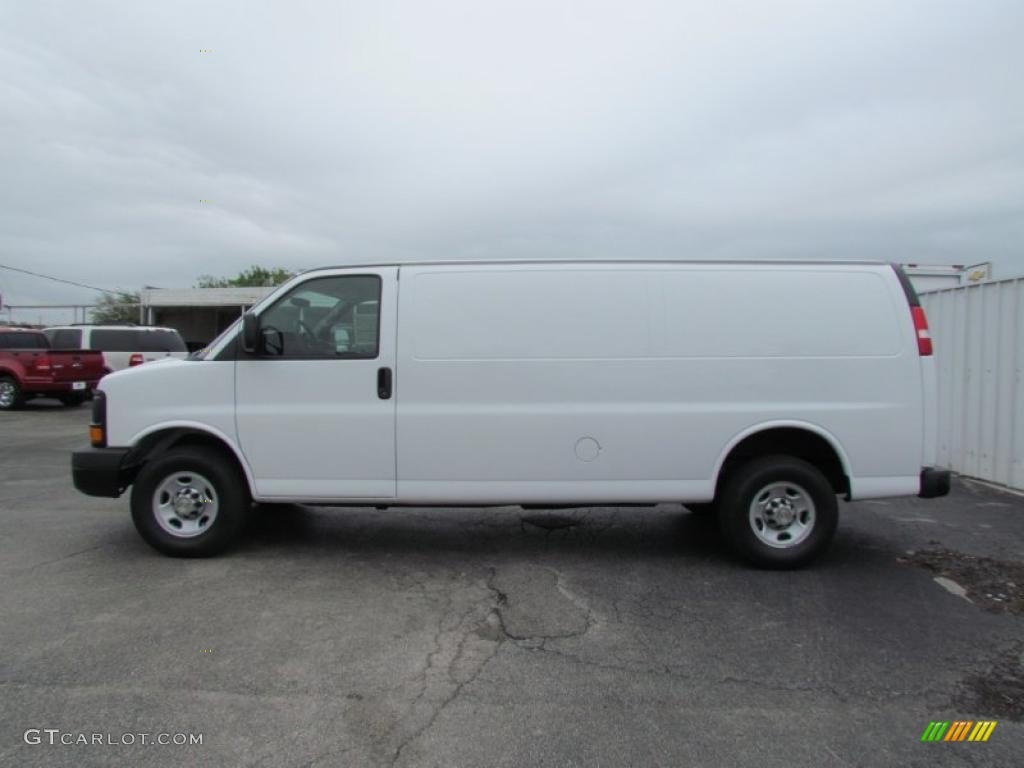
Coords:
pixel 96 436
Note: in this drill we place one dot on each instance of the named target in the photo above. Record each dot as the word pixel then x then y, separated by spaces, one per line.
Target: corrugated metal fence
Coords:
pixel 979 349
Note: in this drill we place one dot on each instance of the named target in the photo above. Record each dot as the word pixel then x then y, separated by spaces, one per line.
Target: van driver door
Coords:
pixel 314 404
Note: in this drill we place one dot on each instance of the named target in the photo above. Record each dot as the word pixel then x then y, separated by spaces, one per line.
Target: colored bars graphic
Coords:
pixel 959 730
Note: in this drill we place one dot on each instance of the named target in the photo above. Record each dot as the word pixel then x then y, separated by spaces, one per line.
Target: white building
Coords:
pixel 199 314
pixel 935 277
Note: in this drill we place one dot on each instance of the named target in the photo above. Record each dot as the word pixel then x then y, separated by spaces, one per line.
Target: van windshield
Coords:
pixel 203 354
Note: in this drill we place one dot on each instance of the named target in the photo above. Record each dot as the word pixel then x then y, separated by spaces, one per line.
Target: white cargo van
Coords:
pixel 760 391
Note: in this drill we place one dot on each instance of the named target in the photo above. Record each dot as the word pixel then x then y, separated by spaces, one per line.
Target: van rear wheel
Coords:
pixel 778 512
pixel 190 502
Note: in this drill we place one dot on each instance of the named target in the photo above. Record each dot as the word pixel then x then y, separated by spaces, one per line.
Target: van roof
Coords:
pixel 461 262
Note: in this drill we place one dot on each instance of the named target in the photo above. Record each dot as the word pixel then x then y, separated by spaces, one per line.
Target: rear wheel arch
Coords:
pixel 798 440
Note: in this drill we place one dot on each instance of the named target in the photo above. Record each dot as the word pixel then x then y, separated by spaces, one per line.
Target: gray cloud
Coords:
pixel 336 132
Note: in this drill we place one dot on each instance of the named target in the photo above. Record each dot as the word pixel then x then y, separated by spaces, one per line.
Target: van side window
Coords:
pixel 328 317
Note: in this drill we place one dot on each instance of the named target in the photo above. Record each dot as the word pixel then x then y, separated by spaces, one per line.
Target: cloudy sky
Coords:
pixel 333 132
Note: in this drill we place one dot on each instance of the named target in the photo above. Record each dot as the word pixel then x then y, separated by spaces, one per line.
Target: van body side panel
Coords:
pixel 625 382
pixel 169 393
pixel 885 486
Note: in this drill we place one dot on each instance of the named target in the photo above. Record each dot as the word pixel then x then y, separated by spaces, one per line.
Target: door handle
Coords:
pixel 384 383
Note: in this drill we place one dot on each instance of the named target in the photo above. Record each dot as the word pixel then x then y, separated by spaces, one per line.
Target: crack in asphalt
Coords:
pixel 442 706
pixel 451 679
pixel 507 612
pixel 492 605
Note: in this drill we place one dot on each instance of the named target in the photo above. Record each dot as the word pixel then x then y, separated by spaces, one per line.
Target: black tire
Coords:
pixel 231 493
pixel 18 399
pixel 747 481
pixel 72 401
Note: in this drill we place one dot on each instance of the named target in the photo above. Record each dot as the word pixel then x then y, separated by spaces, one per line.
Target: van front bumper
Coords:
pixel 934 482
pixel 99 471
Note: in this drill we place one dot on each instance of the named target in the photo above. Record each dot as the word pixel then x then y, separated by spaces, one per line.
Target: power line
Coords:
pixel 58 279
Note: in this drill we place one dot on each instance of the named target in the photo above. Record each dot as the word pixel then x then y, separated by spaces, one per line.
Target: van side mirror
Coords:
pixel 250 332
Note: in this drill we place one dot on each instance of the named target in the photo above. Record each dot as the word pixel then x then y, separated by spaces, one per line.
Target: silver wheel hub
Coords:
pixel 185 504
pixel 188 504
pixel 782 514
pixel 779 513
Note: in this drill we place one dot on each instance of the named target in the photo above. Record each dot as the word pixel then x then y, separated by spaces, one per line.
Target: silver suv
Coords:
pixel 123 346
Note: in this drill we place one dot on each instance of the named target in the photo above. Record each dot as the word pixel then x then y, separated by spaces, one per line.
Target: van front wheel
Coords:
pixel 778 512
pixel 190 502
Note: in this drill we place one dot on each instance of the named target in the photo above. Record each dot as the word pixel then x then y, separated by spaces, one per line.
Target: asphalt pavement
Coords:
pixel 498 637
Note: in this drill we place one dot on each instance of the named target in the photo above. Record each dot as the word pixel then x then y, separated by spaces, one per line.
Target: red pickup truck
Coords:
pixel 29 368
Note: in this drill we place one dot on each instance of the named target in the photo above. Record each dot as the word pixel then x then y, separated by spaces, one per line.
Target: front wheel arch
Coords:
pixel 154 444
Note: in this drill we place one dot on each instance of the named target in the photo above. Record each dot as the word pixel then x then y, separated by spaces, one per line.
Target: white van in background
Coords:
pixel 762 391
pixel 123 346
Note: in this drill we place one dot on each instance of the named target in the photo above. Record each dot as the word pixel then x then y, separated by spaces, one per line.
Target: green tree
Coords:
pixel 253 277
pixel 119 307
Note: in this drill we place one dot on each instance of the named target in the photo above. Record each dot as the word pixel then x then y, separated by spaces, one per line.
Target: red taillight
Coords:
pixel 924 337
pixel 136 359
pixel 42 363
